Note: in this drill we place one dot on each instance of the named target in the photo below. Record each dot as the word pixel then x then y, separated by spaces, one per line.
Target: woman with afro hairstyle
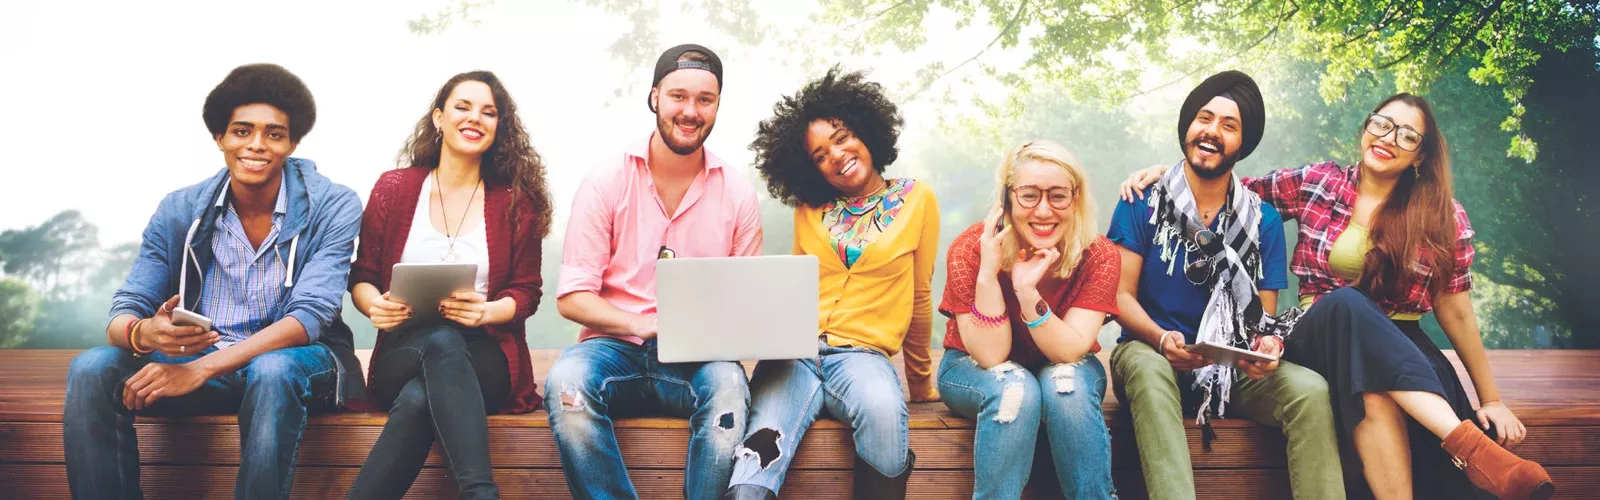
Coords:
pixel 823 152
pixel 473 191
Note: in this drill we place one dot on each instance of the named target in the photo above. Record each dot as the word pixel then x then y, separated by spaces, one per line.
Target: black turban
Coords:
pixel 1237 87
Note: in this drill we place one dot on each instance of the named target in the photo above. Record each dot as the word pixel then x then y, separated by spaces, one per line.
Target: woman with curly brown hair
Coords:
pixel 474 192
pixel 823 152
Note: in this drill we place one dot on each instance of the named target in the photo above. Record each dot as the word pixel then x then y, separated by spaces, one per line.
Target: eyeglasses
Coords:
pixel 1407 138
pixel 1029 196
pixel 1200 271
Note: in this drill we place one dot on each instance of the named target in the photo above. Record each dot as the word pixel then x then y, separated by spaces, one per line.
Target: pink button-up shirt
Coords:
pixel 619 227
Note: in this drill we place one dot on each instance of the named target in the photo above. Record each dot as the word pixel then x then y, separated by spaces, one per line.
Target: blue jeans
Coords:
pixel 1009 403
pixel 602 378
pixel 855 385
pixel 272 396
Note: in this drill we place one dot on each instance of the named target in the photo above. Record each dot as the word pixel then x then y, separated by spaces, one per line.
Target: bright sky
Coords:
pixel 107 95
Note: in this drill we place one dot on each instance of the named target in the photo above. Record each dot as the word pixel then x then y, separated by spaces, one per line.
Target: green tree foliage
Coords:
pixel 1537 221
pixel 64 279
pixel 18 307
pixel 40 254
pixel 1100 48
pixel 1514 84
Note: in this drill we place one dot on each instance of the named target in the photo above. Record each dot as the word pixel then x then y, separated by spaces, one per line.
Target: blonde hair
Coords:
pixel 1081 228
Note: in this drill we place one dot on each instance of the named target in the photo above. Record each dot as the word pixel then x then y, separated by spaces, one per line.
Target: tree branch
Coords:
pixel 1383 22
pixel 875 17
pixel 1282 19
pixel 1022 7
pixel 1498 274
pixel 1129 11
pixel 1469 37
pixel 1438 27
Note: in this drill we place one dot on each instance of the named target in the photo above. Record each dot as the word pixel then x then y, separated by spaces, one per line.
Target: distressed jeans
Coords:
pixel 1009 403
pixel 604 378
pixel 1294 399
pixel 272 395
pixel 854 385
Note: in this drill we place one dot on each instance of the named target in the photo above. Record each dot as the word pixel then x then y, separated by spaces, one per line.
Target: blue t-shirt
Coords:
pixel 1172 301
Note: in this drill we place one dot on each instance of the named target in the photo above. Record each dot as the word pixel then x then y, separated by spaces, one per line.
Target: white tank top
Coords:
pixel 425 244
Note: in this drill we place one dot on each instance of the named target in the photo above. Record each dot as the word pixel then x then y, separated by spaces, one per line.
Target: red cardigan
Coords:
pixel 513 264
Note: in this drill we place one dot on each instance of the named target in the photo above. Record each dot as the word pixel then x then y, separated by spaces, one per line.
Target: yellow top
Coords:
pixel 885 300
pixel 1346 257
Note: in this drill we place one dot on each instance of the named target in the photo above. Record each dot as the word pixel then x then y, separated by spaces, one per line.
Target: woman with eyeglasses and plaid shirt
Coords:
pixel 1381 243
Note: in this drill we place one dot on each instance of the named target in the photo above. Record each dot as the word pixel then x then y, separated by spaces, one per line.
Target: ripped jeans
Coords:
pixel 1010 402
pixel 854 385
pixel 604 378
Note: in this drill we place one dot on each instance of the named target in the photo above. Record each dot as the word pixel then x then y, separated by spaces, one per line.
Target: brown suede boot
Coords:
pixel 1495 469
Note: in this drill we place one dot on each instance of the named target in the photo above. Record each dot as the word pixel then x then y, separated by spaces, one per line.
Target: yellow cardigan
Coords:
pixel 884 301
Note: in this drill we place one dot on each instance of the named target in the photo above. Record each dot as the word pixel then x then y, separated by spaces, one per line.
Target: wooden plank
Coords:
pixel 48 482
pixel 1545 387
pixel 190 444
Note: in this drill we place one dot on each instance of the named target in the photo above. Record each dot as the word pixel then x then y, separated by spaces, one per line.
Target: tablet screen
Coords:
pixel 423 286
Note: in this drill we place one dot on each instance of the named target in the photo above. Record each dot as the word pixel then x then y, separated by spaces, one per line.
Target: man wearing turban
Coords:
pixel 1203 259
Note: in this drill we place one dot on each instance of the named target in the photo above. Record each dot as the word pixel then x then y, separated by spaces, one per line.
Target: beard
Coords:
pixel 1224 164
pixel 664 126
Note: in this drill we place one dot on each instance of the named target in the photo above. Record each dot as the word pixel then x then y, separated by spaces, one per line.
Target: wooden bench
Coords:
pixel 1554 392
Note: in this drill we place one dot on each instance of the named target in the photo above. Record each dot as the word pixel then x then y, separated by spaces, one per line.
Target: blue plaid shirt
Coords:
pixel 244 288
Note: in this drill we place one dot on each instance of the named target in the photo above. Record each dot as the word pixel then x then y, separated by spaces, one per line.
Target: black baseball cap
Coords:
pixel 668 62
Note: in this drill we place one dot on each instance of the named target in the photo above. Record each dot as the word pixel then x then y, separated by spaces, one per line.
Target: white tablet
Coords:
pixel 424 286
pixel 1222 354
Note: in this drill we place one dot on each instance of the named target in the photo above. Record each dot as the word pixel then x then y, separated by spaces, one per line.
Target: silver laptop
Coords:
pixel 736 308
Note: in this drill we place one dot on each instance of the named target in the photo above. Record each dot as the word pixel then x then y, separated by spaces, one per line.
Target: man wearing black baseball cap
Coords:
pixel 663 197
pixel 685 102
pixel 1203 259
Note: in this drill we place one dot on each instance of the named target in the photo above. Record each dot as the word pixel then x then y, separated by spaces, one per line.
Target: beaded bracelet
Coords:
pixel 989 321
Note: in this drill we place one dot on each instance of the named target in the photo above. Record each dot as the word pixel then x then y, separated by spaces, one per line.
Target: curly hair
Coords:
pixel 849 99
pixel 510 159
pixel 261 84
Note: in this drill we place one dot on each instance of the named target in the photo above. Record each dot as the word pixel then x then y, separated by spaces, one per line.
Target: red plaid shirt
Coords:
pixel 1322 198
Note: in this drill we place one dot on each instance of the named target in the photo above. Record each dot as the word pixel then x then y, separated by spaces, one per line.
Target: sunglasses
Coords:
pixel 1202 270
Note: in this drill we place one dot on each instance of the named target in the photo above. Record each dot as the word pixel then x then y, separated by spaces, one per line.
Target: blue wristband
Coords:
pixel 1040 322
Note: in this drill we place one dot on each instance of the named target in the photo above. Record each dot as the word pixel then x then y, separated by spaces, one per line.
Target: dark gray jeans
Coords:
pixel 437 381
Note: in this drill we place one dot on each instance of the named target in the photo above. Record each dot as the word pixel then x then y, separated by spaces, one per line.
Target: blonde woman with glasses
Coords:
pixel 1026 291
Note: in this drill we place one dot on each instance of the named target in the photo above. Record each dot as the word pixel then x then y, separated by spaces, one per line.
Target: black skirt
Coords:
pixel 1353 343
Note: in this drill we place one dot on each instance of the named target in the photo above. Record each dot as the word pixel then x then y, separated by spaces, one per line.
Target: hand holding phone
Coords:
pixel 177 332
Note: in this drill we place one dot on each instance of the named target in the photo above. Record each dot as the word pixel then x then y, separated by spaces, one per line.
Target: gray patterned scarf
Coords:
pixel 1233 310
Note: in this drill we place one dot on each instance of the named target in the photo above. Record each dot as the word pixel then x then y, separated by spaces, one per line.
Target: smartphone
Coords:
pixel 183 317
pixel 1005 209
